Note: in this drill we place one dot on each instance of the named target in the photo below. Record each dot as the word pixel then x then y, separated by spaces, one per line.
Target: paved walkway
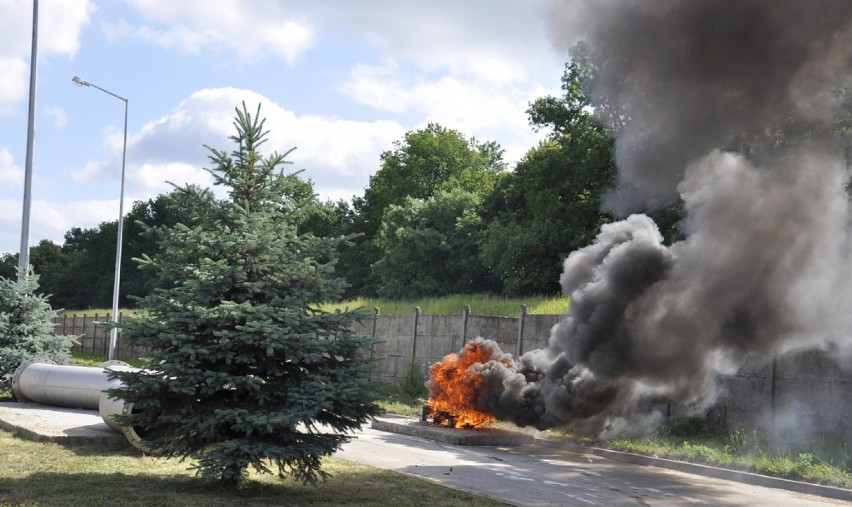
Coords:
pixel 68 426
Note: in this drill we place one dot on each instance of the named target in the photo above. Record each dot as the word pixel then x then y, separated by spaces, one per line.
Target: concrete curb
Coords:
pixel 416 428
pixel 705 470
pixel 65 426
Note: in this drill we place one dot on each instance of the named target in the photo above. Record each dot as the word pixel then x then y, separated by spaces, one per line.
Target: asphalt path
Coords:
pixel 535 476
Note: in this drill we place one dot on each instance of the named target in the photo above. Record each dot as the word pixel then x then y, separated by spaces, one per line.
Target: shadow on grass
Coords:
pixel 99 450
pixel 375 487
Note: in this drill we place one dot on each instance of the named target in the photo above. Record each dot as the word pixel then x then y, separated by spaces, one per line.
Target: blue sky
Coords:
pixel 340 81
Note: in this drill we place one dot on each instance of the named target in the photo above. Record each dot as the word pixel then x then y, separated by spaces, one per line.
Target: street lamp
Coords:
pixel 24 255
pixel 113 335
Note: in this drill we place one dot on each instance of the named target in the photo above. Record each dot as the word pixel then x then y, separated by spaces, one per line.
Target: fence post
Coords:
pixel 85 333
pixel 96 329
pixel 74 332
pixel 521 319
pixel 772 387
pixel 117 336
pixel 106 339
pixel 414 340
pixel 375 318
pixel 465 316
pixel 373 341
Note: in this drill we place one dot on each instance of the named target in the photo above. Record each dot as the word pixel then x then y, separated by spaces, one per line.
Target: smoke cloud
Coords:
pixel 765 263
pixel 693 76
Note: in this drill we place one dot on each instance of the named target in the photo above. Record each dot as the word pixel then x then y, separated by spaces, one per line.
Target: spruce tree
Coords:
pixel 26 327
pixel 245 371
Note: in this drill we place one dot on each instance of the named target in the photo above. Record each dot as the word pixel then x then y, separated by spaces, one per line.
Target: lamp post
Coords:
pixel 113 335
pixel 24 253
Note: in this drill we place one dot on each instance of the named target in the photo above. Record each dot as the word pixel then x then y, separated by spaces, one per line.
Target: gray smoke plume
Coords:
pixel 691 76
pixel 765 263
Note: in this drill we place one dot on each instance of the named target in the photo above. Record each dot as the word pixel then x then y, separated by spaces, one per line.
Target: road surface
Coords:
pixel 536 476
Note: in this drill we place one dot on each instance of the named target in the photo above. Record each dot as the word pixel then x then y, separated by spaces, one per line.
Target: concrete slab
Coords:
pixel 455 436
pixel 66 426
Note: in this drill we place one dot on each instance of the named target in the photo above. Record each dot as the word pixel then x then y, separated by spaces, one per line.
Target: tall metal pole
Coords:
pixel 24 252
pixel 113 335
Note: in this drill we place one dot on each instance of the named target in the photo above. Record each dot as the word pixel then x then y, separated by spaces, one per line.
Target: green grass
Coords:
pixel 47 474
pixel 100 312
pixel 479 305
pixel 818 460
pixel 96 359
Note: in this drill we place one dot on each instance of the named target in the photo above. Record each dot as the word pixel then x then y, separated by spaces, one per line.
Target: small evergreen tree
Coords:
pixel 245 371
pixel 26 327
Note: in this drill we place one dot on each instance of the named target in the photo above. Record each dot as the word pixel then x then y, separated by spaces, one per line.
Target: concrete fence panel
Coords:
pixel 808 390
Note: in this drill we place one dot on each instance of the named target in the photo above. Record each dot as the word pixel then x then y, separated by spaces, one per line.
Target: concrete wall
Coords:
pixel 808 390
pixel 92 335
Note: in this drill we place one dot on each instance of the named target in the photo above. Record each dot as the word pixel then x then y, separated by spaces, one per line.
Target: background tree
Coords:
pixel 430 247
pixel 26 327
pixel 8 265
pixel 550 205
pixel 422 163
pixel 246 372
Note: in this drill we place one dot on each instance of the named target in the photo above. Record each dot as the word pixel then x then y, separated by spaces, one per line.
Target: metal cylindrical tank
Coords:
pixel 43 381
pixel 109 407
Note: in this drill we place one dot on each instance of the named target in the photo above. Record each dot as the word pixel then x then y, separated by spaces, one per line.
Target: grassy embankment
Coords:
pixel 480 305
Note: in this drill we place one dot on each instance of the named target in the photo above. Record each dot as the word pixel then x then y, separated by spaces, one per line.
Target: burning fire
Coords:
pixel 455 386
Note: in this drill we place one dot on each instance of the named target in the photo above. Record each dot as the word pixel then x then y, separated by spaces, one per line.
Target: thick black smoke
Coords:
pixel 765 264
pixel 691 76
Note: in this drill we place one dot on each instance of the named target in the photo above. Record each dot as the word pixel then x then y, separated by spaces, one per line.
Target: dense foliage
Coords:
pixel 245 371
pixel 430 247
pixel 26 327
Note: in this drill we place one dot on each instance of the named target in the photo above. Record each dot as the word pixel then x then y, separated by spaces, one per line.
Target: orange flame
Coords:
pixel 455 386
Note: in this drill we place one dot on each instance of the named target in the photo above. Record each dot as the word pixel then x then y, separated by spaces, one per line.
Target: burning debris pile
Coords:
pixel 765 263
pixel 457 380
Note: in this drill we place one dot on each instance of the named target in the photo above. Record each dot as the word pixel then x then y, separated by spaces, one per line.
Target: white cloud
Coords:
pixel 88 172
pixel 454 101
pixel 473 66
pixel 51 220
pixel 472 107
pixel 337 155
pixel 251 30
pixel 59 26
pixel 499 41
pixel 156 178
pixel 10 174
pixel 14 73
pixel 57 115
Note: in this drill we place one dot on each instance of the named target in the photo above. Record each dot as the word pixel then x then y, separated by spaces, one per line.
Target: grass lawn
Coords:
pixel 48 474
